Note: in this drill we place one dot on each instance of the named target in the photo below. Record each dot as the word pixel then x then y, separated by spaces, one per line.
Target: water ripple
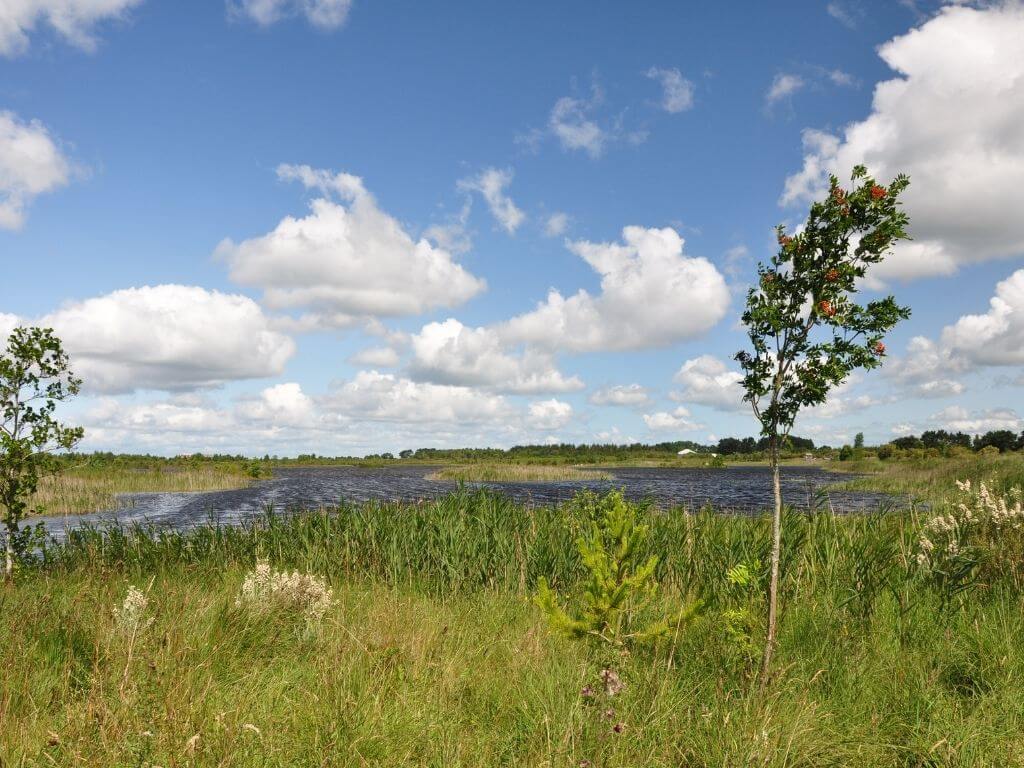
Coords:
pixel 742 489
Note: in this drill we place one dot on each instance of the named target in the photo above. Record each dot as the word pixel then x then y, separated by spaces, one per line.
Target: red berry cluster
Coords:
pixel 877 192
pixel 825 307
pixel 839 195
pixel 879 349
pixel 785 240
pixel 832 275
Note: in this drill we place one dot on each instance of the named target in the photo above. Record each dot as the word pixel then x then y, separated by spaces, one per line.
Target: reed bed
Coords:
pixel 431 653
pixel 479 539
pixel 517 473
pixel 95 489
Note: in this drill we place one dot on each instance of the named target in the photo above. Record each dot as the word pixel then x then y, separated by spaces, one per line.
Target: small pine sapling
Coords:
pixel 620 585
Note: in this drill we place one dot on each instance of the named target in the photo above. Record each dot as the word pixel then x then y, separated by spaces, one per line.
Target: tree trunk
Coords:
pixel 773 586
pixel 8 556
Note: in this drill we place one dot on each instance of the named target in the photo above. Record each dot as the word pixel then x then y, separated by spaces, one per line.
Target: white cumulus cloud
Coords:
pixel 163 421
pixel 927 370
pixel 31 164
pixel 168 337
pixel 678 420
pixel 282 405
pixel 709 381
pixel 451 353
pixel 8 323
pixel 549 414
pixel 374 396
pixel 996 337
pixel 622 394
pixel 345 264
pixel 951 121
pixel 652 295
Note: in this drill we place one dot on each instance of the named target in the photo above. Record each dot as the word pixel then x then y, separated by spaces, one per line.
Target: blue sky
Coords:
pixel 223 207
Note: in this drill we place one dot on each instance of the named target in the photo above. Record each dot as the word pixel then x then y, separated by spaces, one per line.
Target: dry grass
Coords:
pixel 78 491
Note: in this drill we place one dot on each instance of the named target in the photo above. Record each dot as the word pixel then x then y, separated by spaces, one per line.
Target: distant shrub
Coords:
pixel 845 453
pixel 989 450
pixel 255 470
pixel 886 452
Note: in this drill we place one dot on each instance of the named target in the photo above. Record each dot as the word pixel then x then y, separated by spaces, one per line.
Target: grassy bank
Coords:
pixel 432 654
pixel 93 488
pixel 516 473
pixel 928 476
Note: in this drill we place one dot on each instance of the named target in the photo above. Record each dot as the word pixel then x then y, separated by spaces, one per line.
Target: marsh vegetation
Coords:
pixel 517 473
pixel 429 650
pixel 927 475
pixel 93 486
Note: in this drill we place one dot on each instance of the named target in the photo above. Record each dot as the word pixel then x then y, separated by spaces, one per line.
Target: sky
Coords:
pixel 344 226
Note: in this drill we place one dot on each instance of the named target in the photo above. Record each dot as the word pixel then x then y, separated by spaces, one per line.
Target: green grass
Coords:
pixel 516 473
pixel 434 656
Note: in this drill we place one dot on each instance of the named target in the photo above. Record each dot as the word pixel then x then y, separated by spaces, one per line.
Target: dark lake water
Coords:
pixel 740 489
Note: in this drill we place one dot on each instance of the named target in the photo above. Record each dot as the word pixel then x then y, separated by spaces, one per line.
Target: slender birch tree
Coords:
pixel 34 377
pixel 807 333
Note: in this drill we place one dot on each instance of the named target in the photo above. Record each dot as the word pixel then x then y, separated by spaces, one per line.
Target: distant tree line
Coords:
pixel 1003 439
pixel 556 453
pixel 728 446
pixel 568 453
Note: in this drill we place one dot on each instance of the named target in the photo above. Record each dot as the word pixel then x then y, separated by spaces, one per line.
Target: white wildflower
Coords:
pixel 267 589
pixel 980 516
pixel 131 616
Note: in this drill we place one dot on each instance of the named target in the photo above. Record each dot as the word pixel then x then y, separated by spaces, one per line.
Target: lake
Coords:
pixel 739 489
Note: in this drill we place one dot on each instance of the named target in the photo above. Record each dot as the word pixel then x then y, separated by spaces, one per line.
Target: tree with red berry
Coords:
pixel 806 331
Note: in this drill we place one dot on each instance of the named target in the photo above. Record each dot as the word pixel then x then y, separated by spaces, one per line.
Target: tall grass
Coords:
pixel 477 539
pixel 94 488
pixel 928 475
pixel 434 656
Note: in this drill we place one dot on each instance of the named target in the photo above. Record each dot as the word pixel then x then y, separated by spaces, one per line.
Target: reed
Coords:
pixel 97 488
pixel 517 473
